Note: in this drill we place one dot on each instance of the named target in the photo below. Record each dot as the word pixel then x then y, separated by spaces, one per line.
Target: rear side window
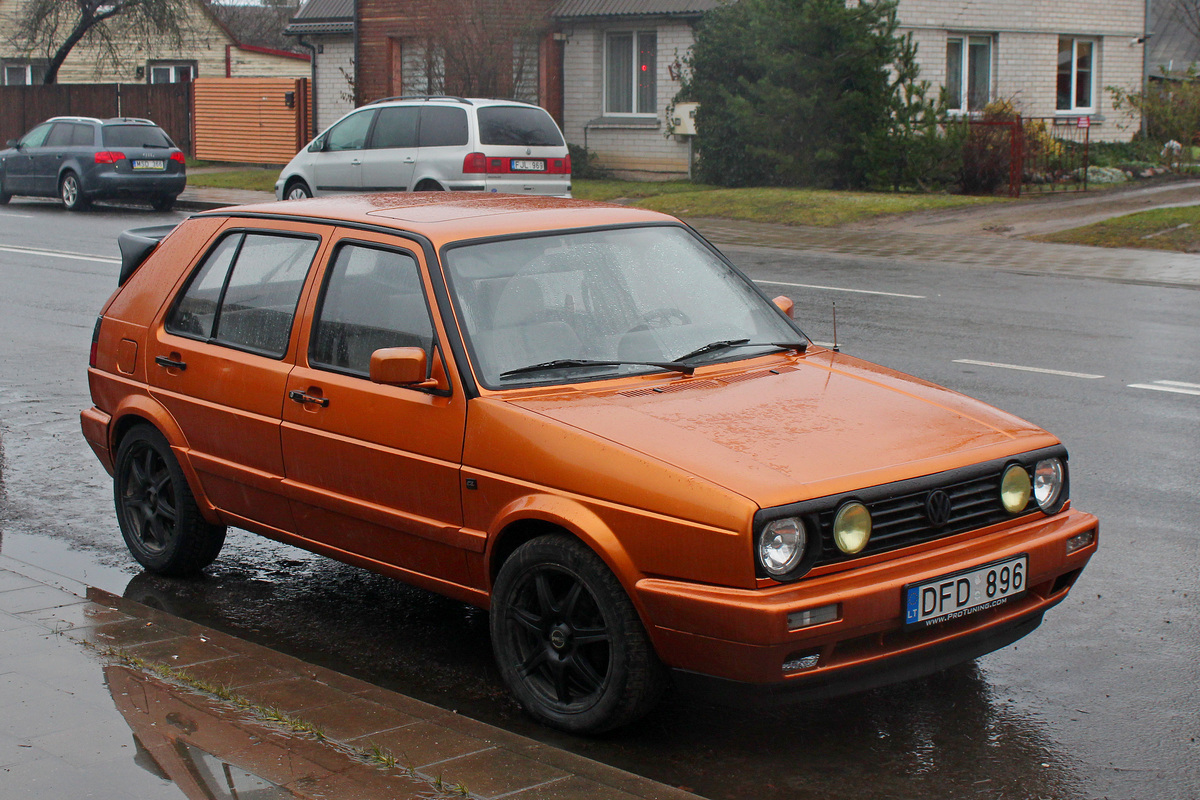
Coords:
pixel 245 293
pixel 396 127
pixel 372 299
pixel 443 127
pixel 135 136
pixel 84 135
pixel 518 125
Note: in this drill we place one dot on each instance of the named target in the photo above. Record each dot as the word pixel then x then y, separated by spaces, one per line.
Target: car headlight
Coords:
pixel 781 546
pixel 852 528
pixel 1049 478
pixel 1015 489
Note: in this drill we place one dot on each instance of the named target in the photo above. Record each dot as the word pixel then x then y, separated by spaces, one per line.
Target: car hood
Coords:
pixel 799 428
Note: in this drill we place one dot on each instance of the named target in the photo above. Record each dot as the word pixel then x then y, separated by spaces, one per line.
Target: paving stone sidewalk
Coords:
pixel 83 715
pixel 975 252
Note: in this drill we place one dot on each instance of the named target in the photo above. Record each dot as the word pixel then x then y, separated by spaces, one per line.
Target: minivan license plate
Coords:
pixel 156 164
pixel 954 596
pixel 524 165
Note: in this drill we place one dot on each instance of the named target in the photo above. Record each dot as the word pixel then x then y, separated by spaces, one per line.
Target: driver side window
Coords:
pixel 350 133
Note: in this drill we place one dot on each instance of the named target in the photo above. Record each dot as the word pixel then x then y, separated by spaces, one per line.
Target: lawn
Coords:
pixel 1161 229
pixel 685 199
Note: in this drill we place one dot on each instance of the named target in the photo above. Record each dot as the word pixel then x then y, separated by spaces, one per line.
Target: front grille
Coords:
pixel 899 520
pixel 899 516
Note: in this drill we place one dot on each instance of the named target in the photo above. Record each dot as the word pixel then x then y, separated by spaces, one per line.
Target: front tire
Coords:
pixel 160 521
pixel 568 641
pixel 4 196
pixel 297 190
pixel 70 193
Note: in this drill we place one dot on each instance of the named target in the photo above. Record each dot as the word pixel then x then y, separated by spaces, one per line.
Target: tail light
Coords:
pixel 178 156
pixel 109 156
pixel 95 342
pixel 474 163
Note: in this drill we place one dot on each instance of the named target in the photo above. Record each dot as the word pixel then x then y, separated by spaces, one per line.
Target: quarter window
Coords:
pixel 968 72
pixel 245 293
pixel 1076 75
pixel 630 80
pixel 372 299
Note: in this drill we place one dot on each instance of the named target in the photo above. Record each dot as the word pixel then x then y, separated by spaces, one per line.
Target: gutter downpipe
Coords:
pixel 312 84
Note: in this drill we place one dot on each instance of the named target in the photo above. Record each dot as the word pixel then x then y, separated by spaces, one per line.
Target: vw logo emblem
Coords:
pixel 938 508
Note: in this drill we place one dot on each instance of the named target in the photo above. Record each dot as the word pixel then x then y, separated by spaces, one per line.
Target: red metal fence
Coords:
pixel 1030 154
pixel 168 104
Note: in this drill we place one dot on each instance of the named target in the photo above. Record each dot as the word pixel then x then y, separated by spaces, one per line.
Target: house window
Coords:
pixel 630 66
pixel 18 74
pixel 1076 75
pixel 525 71
pixel 172 73
pixel 968 73
pixel 423 69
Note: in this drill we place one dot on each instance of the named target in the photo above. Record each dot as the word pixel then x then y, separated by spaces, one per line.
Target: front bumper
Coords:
pixel 743 634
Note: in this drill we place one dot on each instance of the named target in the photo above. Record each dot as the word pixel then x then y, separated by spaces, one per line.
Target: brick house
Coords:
pixel 209 49
pixel 326 29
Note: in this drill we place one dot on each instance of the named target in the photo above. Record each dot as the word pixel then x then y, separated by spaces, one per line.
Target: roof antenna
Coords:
pixel 835 344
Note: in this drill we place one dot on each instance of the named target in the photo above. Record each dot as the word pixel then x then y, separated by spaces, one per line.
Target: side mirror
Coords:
pixel 785 305
pixel 400 366
pixel 318 144
pixel 15 144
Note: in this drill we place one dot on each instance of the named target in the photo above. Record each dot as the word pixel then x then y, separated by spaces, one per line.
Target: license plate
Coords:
pixel 962 593
pixel 523 165
pixel 143 164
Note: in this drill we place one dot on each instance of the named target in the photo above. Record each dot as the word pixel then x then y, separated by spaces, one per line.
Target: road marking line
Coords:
pixel 15 216
pixel 1178 387
pixel 31 251
pixel 1085 375
pixel 842 289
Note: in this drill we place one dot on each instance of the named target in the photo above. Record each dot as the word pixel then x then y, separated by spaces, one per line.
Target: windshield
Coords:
pixel 134 136
pixel 595 304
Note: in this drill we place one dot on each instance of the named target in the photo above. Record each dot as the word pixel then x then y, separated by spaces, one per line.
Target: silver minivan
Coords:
pixel 415 144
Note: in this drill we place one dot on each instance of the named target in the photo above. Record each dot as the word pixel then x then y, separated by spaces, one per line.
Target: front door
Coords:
pixel 219 363
pixel 374 468
pixel 18 167
pixel 337 167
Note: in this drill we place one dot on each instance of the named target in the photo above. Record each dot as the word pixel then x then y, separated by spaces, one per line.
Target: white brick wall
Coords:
pixel 335 94
pixel 633 151
pixel 1025 36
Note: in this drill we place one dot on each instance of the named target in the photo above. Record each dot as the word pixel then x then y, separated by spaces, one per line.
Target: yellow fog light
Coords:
pixel 1015 488
pixel 852 528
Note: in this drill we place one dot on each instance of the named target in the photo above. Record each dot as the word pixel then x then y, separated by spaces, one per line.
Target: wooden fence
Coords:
pixel 167 104
pixel 251 120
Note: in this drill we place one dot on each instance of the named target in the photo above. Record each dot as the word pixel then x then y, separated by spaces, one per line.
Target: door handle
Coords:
pixel 304 397
pixel 170 363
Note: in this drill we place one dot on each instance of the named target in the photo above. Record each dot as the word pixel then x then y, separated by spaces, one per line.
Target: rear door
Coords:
pixel 220 357
pixel 374 469
pixel 391 154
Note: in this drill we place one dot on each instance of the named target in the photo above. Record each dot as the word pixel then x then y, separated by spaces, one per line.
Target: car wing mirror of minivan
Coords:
pixel 402 366
pixel 318 144
pixel 785 305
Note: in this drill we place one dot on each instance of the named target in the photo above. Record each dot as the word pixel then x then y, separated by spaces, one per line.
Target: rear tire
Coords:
pixel 163 203
pixel 569 642
pixel 429 186
pixel 159 518
pixel 70 193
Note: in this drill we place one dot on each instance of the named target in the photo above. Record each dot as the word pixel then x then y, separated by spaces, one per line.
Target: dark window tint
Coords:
pixel 84 135
pixel 350 133
pixel 60 135
pixel 372 299
pixel 518 126
pixel 443 127
pixel 134 136
pixel 245 293
pixel 396 127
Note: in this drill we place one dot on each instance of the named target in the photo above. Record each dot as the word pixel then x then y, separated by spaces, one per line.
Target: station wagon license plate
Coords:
pixel 525 165
pixel 954 596
pixel 144 164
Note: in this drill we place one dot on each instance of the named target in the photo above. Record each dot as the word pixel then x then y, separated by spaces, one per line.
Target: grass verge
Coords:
pixel 1162 229
pixel 257 180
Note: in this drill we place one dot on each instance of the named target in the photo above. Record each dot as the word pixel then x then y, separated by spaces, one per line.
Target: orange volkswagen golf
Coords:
pixel 583 418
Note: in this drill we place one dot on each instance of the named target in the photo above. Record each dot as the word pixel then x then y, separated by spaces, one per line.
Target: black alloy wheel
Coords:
pixel 568 640
pixel 158 515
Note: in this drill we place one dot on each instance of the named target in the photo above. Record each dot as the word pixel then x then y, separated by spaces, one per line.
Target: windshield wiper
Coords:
pixel 567 363
pixel 727 344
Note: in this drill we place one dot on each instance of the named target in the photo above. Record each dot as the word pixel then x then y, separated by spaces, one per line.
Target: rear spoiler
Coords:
pixel 136 244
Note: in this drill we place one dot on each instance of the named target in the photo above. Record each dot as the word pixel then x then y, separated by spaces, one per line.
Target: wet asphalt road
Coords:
pixel 1102 701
